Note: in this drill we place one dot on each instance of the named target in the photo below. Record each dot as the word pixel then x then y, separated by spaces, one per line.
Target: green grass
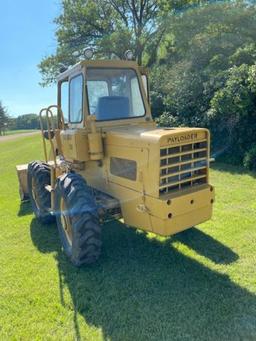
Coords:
pixel 197 285
pixel 13 132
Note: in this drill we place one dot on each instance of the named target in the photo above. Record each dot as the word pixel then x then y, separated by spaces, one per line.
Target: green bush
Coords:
pixel 167 120
pixel 207 77
pixel 250 159
pixel 232 115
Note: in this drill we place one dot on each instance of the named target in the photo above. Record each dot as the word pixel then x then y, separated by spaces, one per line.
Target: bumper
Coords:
pixel 172 214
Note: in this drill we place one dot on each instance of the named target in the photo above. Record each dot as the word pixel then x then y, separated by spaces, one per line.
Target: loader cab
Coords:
pixel 115 92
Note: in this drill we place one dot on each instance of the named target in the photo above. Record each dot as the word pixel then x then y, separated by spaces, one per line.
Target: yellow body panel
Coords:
pixel 75 144
pixel 141 204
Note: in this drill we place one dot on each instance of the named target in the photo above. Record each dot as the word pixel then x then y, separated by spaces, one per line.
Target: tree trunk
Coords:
pixel 139 47
pixel 139 57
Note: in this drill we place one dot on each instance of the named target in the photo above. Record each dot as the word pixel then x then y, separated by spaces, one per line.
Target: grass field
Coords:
pixel 198 285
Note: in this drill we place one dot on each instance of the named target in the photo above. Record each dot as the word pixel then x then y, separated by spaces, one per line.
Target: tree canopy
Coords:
pixel 206 75
pixel 201 54
pixel 111 27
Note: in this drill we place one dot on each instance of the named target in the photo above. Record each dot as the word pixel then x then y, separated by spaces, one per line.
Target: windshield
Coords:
pixel 114 94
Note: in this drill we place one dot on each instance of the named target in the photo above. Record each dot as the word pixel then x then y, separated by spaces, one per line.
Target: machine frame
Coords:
pixel 145 198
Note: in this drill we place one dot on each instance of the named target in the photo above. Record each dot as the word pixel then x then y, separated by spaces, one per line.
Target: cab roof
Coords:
pixel 96 63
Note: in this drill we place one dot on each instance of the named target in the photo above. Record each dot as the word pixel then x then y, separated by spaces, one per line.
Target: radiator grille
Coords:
pixel 183 166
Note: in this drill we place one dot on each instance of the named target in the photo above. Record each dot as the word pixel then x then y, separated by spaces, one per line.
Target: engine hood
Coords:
pixel 144 136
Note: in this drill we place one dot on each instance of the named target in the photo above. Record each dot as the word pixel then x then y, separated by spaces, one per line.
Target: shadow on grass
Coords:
pixel 144 289
pixel 206 246
pixel 25 208
pixel 232 169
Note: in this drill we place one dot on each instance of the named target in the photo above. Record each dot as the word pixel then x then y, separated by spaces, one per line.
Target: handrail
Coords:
pixel 51 127
pixel 42 132
pixel 61 114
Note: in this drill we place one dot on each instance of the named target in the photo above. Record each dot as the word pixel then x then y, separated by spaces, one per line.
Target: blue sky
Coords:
pixel 26 35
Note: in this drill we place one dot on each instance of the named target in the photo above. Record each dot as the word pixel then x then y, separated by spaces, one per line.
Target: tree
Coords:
pixel 206 75
pixel 111 27
pixel 28 121
pixel 232 115
pixel 203 44
pixel 3 119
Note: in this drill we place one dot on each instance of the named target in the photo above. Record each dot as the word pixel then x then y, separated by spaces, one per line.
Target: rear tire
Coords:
pixel 77 219
pixel 39 175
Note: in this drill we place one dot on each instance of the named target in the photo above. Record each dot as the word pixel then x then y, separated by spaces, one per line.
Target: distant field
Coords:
pixel 197 285
pixel 12 132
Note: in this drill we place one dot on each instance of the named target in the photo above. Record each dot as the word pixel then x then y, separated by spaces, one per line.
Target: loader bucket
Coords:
pixel 23 185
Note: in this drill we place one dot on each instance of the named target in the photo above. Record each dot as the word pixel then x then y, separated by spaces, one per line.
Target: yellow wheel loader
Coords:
pixel 109 160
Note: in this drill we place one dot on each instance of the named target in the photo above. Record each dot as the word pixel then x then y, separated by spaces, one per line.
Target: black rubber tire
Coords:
pixel 39 173
pixel 81 211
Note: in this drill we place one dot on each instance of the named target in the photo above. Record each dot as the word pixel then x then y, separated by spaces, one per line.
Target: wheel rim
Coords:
pixel 65 222
pixel 34 192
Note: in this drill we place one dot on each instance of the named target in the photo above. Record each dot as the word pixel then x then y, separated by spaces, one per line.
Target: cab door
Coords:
pixel 71 100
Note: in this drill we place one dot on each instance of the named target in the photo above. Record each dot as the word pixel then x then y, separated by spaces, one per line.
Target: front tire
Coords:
pixel 39 175
pixel 77 219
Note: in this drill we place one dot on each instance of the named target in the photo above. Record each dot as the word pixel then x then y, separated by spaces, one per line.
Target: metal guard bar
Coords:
pixel 42 132
pixel 50 126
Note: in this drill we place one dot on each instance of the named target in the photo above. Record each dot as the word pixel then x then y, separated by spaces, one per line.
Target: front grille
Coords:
pixel 183 166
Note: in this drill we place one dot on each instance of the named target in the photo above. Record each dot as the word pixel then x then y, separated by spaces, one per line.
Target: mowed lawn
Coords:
pixel 198 285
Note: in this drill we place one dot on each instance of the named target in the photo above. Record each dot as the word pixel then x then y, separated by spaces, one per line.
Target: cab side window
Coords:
pixel 64 100
pixel 137 103
pixel 145 83
pixel 76 99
